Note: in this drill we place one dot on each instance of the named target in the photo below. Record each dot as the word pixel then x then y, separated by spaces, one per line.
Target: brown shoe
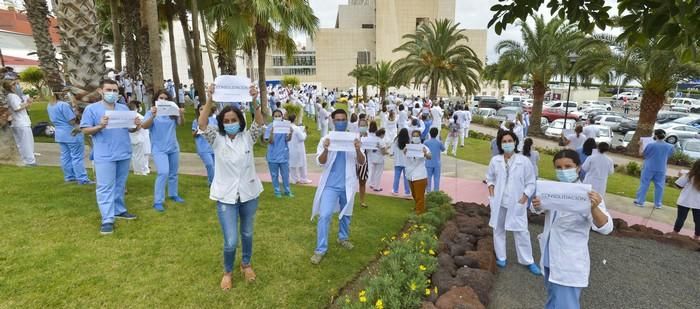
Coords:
pixel 226 283
pixel 248 273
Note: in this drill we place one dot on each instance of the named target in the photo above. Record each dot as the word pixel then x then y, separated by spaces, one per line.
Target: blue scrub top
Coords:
pixel 199 141
pixel 436 148
pixel 425 134
pixel 656 156
pixel 278 151
pixel 162 132
pixel 336 178
pixel 61 114
pixel 108 144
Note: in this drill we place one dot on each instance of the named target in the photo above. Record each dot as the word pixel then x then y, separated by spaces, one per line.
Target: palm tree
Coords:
pixel 116 33
pixel 168 11
pixel 37 14
pixel 437 54
pixel 149 9
pixel 383 76
pixel 542 54
pixel 361 75
pixel 83 55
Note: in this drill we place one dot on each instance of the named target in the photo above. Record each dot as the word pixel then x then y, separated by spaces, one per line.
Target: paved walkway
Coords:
pixel 460 179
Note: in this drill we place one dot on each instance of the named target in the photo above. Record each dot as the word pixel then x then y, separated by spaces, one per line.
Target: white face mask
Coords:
pixel 415 139
pixel 278 118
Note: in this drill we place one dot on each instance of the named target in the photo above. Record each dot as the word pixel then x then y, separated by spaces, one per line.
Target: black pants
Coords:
pixel 683 214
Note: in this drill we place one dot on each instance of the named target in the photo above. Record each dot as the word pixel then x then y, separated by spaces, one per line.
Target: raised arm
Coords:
pixel 203 120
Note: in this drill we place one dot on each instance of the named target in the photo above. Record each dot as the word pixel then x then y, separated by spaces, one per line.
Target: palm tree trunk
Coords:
pixel 538 90
pixel 364 92
pixel 132 22
pixel 37 12
pixel 198 68
pixel 151 10
pixel 8 151
pixel 145 57
pixel 261 45
pixel 173 55
pixel 208 46
pixel 652 102
pixel 434 83
pixel 116 34
pixel 182 14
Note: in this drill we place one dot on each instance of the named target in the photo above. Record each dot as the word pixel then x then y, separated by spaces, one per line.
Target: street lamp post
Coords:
pixel 572 59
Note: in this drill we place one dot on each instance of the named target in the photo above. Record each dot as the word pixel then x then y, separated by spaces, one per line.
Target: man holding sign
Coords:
pixel 656 156
pixel 335 193
pixel 112 153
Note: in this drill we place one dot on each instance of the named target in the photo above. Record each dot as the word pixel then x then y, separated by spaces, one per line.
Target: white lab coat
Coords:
pixel 352 184
pixel 598 167
pixel 569 261
pixel 297 150
pixel 437 114
pixel 689 197
pixel 521 181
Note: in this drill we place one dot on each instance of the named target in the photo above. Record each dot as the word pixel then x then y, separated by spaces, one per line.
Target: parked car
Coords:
pixel 554 113
pixel 611 121
pixel 626 94
pixel 597 113
pixel 676 132
pixel 475 101
pixel 557 126
pixel 686 105
pixel 691 148
pixel 605 134
pixel 595 104
pixel 527 103
pixel 573 106
pixel 506 112
pixel 486 112
pixel 489 102
pixel 625 140
pixel 512 98
pixel 629 124
pixel 693 121
pixel 665 116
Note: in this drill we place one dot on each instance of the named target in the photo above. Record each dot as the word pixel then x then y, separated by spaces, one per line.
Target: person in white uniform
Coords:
pixel 598 167
pixel 297 153
pixel 575 141
pixel 465 118
pixel 564 241
pixel 689 199
pixel 437 114
pixel 21 124
pixel 511 182
pixel 323 116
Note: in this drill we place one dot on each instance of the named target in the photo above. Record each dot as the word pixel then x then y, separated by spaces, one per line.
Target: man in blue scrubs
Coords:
pixel 434 165
pixel 656 156
pixel 112 154
pixel 278 156
pixel 70 140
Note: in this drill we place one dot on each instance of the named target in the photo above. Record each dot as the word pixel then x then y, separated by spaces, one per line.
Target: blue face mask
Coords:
pixel 341 125
pixel 232 128
pixel 508 147
pixel 110 97
pixel 363 130
pixel 567 175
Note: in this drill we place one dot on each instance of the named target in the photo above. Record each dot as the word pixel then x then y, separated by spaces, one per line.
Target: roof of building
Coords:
pixel 17 61
pixel 14 21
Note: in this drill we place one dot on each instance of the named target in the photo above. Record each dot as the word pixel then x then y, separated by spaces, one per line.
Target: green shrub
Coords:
pixel 680 158
pixel 32 75
pixel 290 81
pixel 31 92
pixel 633 169
pixel 437 198
pixel 478 119
pixel 493 123
pixel 292 108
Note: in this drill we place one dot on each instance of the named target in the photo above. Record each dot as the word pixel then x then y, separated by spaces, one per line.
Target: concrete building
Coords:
pixel 17 48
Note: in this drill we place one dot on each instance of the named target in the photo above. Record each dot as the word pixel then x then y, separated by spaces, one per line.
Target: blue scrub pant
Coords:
pixel 111 181
pixel 275 170
pixel 329 198
pixel 559 296
pixel 72 162
pixel 659 179
pixel 167 165
pixel 229 215
pixel 433 179
pixel 398 170
pixel 208 160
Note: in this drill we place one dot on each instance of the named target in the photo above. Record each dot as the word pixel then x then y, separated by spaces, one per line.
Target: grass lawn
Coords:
pixel 479 151
pixel 38 114
pixel 51 254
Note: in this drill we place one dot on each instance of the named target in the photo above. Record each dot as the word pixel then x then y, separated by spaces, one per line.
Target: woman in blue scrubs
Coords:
pixel 70 140
pixel 203 148
pixel 165 151
pixel 278 156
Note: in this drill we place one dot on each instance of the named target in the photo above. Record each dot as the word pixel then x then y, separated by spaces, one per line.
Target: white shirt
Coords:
pixel 403 119
pixel 20 118
pixel 690 197
pixel 576 142
pixel 591 131
pixel 598 167
pixel 399 156
pixel 415 167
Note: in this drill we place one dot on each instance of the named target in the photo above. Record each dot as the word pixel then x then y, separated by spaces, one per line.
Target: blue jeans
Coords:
pixel 208 160
pixel 111 181
pixel 433 179
pixel 659 179
pixel 397 174
pixel 72 162
pixel 229 215
pixel 329 198
pixel 275 170
pixel 560 296
pixel 167 165
pixel 524 132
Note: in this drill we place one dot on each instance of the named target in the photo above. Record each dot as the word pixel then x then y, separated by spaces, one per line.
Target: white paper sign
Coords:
pixel 370 142
pixel 564 196
pixel 646 141
pixel 231 88
pixel 120 119
pixel 167 108
pixel 281 126
pixel 342 141
pixel 414 151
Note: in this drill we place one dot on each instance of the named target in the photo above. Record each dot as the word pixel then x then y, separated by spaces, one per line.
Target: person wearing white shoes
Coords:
pixel 297 153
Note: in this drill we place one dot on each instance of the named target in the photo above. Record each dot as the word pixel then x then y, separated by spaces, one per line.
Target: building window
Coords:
pixel 420 21
pixel 363 57
pixel 367 26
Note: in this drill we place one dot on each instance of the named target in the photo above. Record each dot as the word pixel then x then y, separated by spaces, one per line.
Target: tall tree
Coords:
pixel 83 55
pixel 362 74
pixel 383 76
pixel 37 14
pixel 116 34
pixel 197 57
pixel 149 10
pixel 8 150
pixel 168 11
pixel 131 20
pixel 207 44
pixel 437 54
pixel 182 15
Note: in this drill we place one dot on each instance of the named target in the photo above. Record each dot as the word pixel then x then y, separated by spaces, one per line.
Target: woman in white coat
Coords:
pixel 564 241
pixel 689 199
pixel 511 182
pixel 21 124
pixel 297 153
pixel 597 168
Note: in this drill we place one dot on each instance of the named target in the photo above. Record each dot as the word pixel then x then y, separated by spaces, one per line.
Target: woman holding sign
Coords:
pixel 689 199
pixel 511 182
pixel 164 149
pixel 564 241
pixel 416 154
pixel 236 186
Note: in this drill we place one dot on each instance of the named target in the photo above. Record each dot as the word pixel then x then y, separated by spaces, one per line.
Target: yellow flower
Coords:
pixel 436 289
pixel 393 237
pixel 422 244
pixel 379 304
pixel 427 291
pixel 431 252
pixel 383 239
pixel 413 286
pixel 422 250
pixel 422 268
pixel 363 299
pixel 404 235
pixel 386 252
pixel 347 300
pixel 363 293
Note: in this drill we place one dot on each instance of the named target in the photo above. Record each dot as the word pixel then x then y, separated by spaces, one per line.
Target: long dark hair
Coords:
pixel 220 118
pixel 568 153
pixel 158 93
pixel 603 147
pixel 403 138
pixel 527 147
pixel 588 146
pixel 694 174
pixel 500 138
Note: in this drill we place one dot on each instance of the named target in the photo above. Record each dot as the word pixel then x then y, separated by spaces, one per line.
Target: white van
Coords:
pixel 512 98
pixel 686 105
